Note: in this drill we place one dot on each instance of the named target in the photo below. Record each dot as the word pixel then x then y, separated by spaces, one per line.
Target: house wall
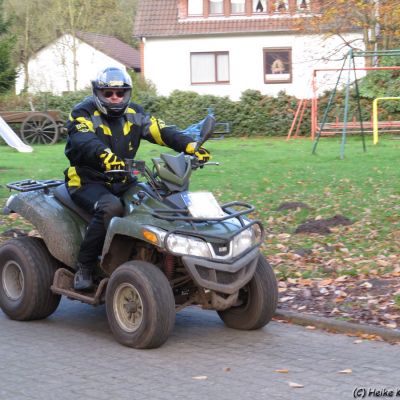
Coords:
pixel 51 69
pixel 167 63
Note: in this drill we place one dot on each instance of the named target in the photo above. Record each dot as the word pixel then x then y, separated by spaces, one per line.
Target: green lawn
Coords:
pixel 266 172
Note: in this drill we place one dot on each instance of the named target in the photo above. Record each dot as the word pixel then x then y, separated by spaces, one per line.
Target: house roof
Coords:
pixel 160 18
pixel 113 47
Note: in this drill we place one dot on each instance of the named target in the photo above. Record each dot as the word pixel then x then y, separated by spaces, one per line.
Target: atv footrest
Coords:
pixel 63 284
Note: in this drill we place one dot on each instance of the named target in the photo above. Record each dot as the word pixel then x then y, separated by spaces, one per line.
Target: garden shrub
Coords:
pixel 254 114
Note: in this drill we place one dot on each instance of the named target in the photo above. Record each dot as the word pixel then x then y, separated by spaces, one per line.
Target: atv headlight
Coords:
pixel 187 245
pixel 246 239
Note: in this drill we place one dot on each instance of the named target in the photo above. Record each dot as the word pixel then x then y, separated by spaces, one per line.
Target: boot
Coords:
pixel 83 279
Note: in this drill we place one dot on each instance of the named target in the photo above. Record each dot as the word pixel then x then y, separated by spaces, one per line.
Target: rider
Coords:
pixel 104 130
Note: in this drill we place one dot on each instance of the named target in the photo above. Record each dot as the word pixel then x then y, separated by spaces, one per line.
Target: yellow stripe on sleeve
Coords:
pixel 155 131
pixel 106 129
pixel 73 178
pixel 87 122
pixel 127 127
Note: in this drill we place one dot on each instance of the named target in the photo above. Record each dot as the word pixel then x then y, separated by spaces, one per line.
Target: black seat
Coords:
pixel 62 195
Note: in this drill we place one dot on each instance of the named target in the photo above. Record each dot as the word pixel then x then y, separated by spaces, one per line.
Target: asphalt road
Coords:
pixel 73 355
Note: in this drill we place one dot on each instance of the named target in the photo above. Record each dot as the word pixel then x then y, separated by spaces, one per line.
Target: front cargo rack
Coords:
pixel 173 214
pixel 28 185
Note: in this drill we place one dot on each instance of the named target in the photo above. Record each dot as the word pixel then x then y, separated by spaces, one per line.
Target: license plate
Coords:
pixel 203 205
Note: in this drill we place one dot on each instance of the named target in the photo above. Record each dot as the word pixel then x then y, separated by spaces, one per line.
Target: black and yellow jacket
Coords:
pixel 90 133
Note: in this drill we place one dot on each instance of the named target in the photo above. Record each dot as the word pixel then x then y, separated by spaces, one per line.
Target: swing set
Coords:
pixel 325 128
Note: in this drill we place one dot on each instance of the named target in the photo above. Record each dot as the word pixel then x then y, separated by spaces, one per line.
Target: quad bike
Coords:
pixel 171 249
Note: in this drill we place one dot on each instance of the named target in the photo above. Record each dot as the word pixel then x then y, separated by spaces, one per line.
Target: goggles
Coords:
pixel 108 93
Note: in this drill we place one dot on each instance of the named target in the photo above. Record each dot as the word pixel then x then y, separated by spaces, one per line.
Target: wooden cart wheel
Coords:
pixel 39 128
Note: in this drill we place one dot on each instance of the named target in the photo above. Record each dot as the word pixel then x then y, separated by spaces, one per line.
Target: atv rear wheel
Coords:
pixel 140 305
pixel 26 273
pixel 258 300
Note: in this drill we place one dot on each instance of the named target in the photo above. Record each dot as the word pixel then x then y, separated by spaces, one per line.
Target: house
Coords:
pixel 223 47
pixel 51 69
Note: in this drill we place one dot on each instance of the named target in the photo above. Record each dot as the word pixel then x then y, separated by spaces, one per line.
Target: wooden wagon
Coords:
pixel 36 127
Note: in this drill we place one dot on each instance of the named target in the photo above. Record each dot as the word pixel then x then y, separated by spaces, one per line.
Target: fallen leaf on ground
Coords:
pixel 295 385
pixel 200 378
pixel 346 371
pixel 370 337
pixel 325 282
pixel 282 371
pixel 286 298
pixel 367 285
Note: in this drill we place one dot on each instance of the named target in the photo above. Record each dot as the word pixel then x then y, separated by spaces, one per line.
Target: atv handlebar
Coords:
pixel 131 167
pixel 211 163
pixel 157 181
pixel 195 163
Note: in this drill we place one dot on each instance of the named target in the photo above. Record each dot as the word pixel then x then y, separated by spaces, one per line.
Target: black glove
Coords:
pixel 111 161
pixel 202 154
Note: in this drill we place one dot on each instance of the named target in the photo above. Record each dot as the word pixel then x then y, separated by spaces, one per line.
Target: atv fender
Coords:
pixel 61 229
pixel 120 240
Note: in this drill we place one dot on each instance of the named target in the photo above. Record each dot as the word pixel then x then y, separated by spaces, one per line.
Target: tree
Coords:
pixel 383 83
pixel 101 16
pixel 378 20
pixel 7 70
pixel 38 22
pixel 126 16
pixel 30 27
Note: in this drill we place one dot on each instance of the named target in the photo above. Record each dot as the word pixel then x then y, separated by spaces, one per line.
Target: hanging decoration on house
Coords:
pixel 303 5
pixel 281 6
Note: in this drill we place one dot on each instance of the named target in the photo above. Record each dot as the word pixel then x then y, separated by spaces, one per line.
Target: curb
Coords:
pixel 334 325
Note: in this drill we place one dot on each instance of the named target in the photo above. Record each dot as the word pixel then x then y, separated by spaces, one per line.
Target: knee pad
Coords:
pixel 109 206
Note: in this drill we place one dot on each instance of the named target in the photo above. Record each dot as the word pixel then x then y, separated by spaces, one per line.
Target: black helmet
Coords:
pixel 112 78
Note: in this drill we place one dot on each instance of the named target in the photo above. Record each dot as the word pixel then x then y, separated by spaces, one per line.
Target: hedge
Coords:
pixel 254 114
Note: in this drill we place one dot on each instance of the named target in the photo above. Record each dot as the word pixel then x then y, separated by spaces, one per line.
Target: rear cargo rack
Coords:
pixel 28 185
pixel 173 214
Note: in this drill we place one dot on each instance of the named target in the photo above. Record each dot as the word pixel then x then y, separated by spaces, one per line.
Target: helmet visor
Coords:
pixel 111 96
pixel 113 78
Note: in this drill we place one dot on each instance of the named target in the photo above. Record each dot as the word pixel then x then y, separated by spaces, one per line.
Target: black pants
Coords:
pixel 103 205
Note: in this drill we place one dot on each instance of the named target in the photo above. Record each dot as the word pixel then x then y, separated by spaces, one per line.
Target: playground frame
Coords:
pixel 318 129
pixel 375 121
pixel 337 125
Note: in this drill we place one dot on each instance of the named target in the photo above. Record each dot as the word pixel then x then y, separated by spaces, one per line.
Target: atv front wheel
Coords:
pixel 26 273
pixel 140 305
pixel 257 301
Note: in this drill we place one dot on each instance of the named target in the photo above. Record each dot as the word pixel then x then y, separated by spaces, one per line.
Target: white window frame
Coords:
pixel 216 1
pixel 195 8
pixel 232 4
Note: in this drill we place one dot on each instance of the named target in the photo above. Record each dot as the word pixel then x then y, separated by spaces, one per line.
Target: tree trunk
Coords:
pixel 25 51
